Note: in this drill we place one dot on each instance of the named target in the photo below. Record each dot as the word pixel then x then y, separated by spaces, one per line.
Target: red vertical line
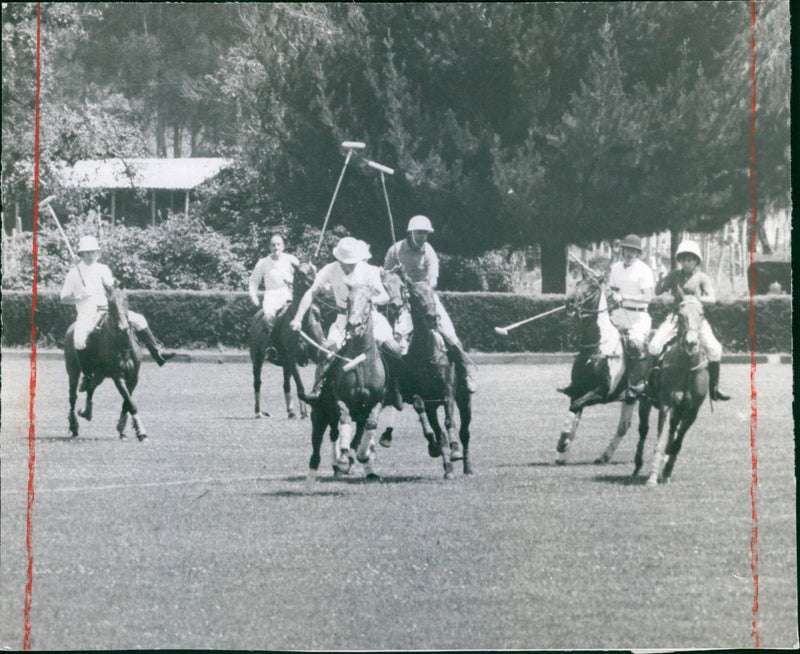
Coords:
pixel 753 393
pixel 26 644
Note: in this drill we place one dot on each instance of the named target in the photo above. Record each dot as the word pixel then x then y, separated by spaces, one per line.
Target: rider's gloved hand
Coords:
pixel 296 324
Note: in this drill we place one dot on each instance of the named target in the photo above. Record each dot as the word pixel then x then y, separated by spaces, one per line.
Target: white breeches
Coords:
pixel 669 328
pixel 445 323
pixel 86 321
pixel 380 329
pixel 404 326
pixel 274 300
pixel 636 323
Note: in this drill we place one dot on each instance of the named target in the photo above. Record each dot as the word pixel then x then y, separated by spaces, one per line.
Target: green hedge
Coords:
pixel 200 319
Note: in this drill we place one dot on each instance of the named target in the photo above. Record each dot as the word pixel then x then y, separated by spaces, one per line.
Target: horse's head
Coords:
pixel 690 319
pixel 586 297
pixel 422 299
pixel 304 275
pixel 396 289
pixel 359 310
pixel 117 307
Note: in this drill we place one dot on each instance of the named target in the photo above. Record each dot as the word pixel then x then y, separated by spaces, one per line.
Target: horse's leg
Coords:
pixel 300 391
pixel 433 446
pixel 568 430
pixel 345 437
pixel 450 426
pixel 622 428
pixel 287 390
pixel 86 414
pixel 74 375
pixel 257 357
pixel 464 402
pixel 122 423
pixel 386 437
pixel 130 407
pixel 644 426
pixel 687 420
pixel 318 424
pixel 659 457
pixel 432 410
pixel 366 448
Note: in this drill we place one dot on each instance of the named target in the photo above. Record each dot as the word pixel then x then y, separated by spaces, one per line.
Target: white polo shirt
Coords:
pixel 633 281
pixel 333 277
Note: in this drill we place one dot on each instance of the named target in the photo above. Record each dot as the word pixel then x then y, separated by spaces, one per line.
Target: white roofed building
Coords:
pixel 167 182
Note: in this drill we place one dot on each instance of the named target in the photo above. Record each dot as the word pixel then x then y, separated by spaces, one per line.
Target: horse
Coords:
pixel 599 371
pixel 290 350
pixel 428 381
pixel 678 392
pixel 111 351
pixel 352 393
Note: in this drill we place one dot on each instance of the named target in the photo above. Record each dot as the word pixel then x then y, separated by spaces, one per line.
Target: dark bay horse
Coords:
pixel 599 372
pixel 682 386
pixel 291 351
pixel 428 381
pixel 351 393
pixel 111 352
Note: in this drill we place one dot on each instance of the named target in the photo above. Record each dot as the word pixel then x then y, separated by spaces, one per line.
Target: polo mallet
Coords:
pixel 351 363
pixel 503 331
pixel 46 203
pixel 350 145
pixel 584 266
pixel 388 171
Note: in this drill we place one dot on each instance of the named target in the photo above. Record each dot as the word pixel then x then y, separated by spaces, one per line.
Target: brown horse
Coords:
pixel 428 381
pixel 599 372
pixel 289 351
pixel 681 387
pixel 111 351
pixel 351 393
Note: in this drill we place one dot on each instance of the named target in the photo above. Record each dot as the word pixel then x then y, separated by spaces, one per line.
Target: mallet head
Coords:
pixel 354 145
pixel 501 330
pixel 381 167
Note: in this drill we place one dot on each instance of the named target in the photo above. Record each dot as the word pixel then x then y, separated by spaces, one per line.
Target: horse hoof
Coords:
pixel 257 416
pixel 85 415
pixel 141 437
pixel 75 435
pixel 292 415
pixel 467 468
pixel 338 473
pixel 385 440
pixel 434 450
pixel 455 452
pixel 371 477
pixel 123 437
pixel 601 460
pixel 561 461
pixel 448 475
pixel 652 482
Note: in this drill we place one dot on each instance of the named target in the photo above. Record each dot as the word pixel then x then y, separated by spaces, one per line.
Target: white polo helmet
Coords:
pixel 351 250
pixel 419 223
pixel 689 247
pixel 88 244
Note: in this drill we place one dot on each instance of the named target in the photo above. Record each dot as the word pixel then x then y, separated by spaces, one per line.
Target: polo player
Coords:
pixel 421 264
pixel 350 269
pixel 83 287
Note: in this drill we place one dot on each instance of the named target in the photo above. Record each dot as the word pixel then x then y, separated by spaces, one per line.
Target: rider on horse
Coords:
pixel 84 287
pixel 632 282
pixel 277 273
pixel 420 263
pixel 687 280
pixel 350 269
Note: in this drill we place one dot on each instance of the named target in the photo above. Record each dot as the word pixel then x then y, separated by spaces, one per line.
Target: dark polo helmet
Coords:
pixel 632 241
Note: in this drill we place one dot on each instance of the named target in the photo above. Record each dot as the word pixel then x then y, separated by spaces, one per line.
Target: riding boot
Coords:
pixel 319 379
pixel 713 383
pixel 271 351
pixel 652 376
pixel 394 396
pixel 149 341
pixel 460 359
pixel 636 377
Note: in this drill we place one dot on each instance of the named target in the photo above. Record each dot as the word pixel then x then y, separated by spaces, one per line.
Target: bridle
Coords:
pixel 359 310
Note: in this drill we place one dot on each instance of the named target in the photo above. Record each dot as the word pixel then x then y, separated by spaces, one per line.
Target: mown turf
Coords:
pixel 204 536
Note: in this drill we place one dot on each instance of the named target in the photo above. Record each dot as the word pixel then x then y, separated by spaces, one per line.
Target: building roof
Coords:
pixel 164 174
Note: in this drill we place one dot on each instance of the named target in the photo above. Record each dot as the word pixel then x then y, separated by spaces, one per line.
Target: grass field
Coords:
pixel 204 537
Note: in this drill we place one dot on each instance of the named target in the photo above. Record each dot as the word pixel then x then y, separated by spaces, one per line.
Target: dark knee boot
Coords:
pixel 651 376
pixel 462 364
pixel 636 378
pixel 149 341
pixel 713 383
pixel 270 351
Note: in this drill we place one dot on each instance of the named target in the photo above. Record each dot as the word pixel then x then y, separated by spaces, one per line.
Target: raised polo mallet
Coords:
pixel 351 363
pixel 388 171
pixel 46 203
pixel 503 331
pixel 350 146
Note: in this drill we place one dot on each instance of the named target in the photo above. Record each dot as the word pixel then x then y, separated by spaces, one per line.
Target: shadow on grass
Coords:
pixel 79 439
pixel 622 480
pixel 352 479
pixel 303 493
pixel 568 464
